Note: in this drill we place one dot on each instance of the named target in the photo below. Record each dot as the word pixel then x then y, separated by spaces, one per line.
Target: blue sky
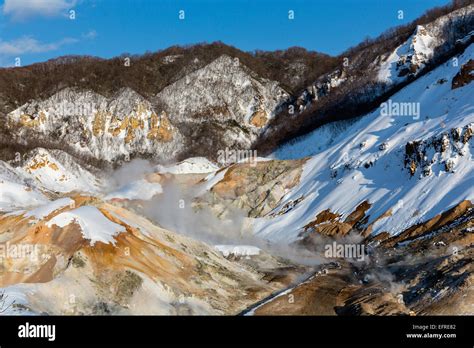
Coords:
pixel 37 30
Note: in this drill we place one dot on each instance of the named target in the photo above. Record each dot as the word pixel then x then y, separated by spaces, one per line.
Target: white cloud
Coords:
pixel 21 9
pixel 90 35
pixel 26 44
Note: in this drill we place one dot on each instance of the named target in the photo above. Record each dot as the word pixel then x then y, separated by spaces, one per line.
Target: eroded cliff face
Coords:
pixel 223 90
pixel 256 189
pixel 439 153
pixel 222 105
pixel 105 128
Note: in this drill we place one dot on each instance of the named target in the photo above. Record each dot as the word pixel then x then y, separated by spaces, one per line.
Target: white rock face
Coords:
pixel 57 173
pixel 106 128
pixel 127 124
pixel 223 90
pixel 412 56
pixel 238 250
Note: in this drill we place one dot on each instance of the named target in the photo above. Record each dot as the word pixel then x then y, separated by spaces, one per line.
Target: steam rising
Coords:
pixel 136 169
pixel 178 209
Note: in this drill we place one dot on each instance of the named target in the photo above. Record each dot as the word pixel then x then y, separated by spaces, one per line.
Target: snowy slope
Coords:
pixel 14 192
pixel 14 195
pixel 314 142
pixel 94 225
pixel 27 187
pixel 410 57
pixel 428 41
pixel 43 211
pixel 192 165
pixel 50 173
pixel 367 161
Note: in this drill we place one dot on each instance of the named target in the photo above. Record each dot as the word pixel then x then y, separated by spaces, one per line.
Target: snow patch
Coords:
pixel 47 209
pixel 94 225
pixel 194 165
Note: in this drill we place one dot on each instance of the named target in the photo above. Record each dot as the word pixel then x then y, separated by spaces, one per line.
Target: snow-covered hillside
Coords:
pixel 104 128
pixel 224 99
pixel 372 160
pixel 39 174
pixel 409 58
pixel 57 171
pixel 428 41
pixel 224 89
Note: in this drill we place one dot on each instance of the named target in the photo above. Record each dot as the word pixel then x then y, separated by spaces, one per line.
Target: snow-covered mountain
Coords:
pixel 403 164
pixel 160 232
pixel 224 90
pixel 428 41
pixel 105 128
pixel 224 104
pixel 409 167
pixel 371 72
pixel 400 178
